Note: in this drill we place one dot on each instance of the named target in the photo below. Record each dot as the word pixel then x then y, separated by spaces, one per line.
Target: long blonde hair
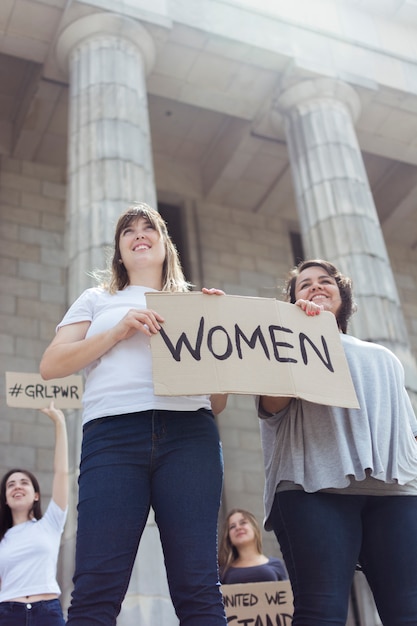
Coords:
pixel 116 277
pixel 227 551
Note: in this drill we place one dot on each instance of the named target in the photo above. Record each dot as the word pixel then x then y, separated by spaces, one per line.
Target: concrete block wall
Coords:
pixel 32 299
pixel 33 269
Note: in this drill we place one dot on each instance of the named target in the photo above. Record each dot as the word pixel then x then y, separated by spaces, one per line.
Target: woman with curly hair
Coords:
pixel 341 484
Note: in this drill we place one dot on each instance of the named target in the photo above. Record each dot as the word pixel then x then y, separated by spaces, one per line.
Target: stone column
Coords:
pixel 110 165
pixel 107 57
pixel 337 214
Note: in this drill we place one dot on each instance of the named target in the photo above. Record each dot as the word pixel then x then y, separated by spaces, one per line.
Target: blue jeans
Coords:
pixel 169 460
pixel 42 613
pixel 323 536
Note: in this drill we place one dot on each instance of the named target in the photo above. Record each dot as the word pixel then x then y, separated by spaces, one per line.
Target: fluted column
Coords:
pixel 107 57
pixel 337 214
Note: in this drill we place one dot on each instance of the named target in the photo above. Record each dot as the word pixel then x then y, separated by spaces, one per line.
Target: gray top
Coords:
pixel 321 447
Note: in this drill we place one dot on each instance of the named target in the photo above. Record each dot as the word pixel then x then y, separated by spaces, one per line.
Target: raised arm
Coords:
pixel 60 480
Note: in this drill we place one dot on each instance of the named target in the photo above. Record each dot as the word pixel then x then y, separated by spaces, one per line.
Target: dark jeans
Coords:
pixel 173 462
pixel 42 613
pixel 323 536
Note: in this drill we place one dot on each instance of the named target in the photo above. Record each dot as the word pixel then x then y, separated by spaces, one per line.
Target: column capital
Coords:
pixel 99 24
pixel 306 92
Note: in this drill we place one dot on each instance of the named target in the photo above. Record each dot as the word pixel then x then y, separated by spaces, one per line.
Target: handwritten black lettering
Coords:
pixel 246 621
pixel 283 344
pixel 194 346
pixel 39 391
pixel 281 619
pixel 71 391
pixel 183 339
pixel 327 362
pixel 229 348
pixel 257 335
pixel 259 620
pixel 240 599
pixel 51 392
pixel 31 391
pixel 74 392
pixel 280 597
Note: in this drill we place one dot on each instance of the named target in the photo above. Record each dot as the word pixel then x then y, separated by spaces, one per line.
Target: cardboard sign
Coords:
pixel 259 604
pixel 30 391
pixel 234 344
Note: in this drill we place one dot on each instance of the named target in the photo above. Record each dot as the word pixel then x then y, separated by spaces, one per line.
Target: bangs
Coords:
pixel 134 214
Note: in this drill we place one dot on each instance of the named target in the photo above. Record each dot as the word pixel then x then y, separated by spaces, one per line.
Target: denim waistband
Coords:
pixel 29 605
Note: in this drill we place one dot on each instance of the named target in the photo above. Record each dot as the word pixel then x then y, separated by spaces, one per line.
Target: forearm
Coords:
pixel 273 404
pixel 61 449
pixel 62 359
pixel 218 402
pixel 60 480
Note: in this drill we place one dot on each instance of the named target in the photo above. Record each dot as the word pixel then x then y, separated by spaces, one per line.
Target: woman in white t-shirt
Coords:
pixel 29 541
pixel 139 450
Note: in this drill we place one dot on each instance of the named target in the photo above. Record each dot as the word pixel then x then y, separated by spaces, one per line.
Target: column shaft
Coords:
pixel 110 153
pixel 338 218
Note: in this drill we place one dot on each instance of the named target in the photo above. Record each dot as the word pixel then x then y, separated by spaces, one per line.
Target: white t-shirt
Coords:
pixel 120 381
pixel 29 555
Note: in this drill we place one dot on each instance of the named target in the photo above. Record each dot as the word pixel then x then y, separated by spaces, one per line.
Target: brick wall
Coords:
pixel 32 286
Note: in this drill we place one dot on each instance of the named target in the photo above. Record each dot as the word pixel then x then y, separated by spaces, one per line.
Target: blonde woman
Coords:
pixel 241 559
pixel 139 450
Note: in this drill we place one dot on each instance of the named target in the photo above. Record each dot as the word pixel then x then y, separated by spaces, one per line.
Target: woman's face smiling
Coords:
pixel 20 493
pixel 315 285
pixel 240 530
pixel 141 246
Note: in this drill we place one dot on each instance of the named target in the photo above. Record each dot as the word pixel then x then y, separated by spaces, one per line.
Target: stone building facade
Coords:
pixel 264 131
